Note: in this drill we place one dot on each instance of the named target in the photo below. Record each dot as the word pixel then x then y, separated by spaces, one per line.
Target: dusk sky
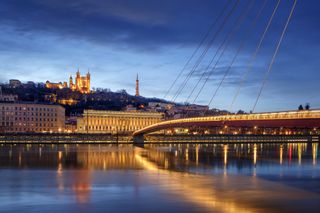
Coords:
pixel 116 39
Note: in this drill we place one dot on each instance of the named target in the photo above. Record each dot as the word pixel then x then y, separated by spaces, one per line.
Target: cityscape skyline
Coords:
pixel 227 118
pixel 154 41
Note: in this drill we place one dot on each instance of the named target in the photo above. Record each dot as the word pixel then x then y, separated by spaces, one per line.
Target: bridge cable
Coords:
pixel 198 47
pixel 254 56
pixel 182 86
pixel 243 42
pixel 275 54
pixel 207 68
pixel 201 57
pixel 225 44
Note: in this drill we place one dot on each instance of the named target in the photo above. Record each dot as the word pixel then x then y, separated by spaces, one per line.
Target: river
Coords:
pixel 236 177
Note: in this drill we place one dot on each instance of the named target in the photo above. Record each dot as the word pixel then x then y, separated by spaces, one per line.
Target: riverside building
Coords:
pixel 98 121
pixel 31 117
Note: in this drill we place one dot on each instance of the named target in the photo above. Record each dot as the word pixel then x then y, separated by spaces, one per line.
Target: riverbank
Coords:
pixel 41 138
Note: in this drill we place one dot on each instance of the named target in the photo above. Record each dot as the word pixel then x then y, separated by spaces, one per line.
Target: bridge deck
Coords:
pixel 299 119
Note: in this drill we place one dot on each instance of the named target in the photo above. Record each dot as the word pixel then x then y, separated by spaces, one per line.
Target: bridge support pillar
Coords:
pixel 138 139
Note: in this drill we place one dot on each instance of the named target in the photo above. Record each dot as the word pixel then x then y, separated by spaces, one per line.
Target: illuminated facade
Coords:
pixel 59 85
pixel 29 117
pixel 96 121
pixel 81 84
pixel 69 101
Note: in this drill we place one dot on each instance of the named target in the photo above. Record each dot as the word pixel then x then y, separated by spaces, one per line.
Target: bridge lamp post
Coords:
pixel 280 131
pixel 225 131
pixel 315 131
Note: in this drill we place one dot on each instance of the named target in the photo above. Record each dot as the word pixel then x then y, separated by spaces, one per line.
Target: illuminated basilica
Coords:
pixel 81 84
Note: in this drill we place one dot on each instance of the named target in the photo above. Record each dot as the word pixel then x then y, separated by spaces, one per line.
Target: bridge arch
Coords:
pixel 288 119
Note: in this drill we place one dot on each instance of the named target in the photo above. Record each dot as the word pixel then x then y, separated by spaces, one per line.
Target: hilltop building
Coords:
pixel 81 84
pixel 7 97
pixel 14 83
pixel 60 85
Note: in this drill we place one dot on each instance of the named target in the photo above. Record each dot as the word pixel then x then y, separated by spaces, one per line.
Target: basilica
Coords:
pixel 81 83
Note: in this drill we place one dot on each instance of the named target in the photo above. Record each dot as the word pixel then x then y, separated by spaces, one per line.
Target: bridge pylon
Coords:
pixel 138 139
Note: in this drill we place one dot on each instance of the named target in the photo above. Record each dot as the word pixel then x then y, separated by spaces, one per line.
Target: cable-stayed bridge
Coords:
pixel 229 35
pixel 291 119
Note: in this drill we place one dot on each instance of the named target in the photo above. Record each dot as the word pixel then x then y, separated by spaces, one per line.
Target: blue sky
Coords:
pixel 116 39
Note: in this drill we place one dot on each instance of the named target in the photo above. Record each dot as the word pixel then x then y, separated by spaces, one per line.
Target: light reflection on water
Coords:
pixel 176 177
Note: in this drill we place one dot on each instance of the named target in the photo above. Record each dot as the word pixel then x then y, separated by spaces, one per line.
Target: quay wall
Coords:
pixel 36 138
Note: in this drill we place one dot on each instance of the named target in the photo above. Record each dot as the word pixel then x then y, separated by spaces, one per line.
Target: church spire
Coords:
pixel 137 86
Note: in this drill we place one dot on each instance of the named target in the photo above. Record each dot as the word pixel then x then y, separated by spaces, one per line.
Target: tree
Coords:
pixel 300 107
pixel 307 107
pixel 241 112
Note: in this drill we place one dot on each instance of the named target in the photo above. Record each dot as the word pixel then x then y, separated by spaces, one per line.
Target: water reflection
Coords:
pixel 314 153
pixel 217 158
pixel 281 154
pixel 216 177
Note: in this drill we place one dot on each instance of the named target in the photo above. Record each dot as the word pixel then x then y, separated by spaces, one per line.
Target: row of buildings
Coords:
pixel 40 118
pixel 25 114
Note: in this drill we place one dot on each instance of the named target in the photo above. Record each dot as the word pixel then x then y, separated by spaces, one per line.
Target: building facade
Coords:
pixel 81 83
pixel 14 83
pixel 98 121
pixel 7 97
pixel 185 111
pixel 30 117
pixel 59 85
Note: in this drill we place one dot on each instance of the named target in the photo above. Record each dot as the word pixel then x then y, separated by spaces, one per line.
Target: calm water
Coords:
pixel 160 178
